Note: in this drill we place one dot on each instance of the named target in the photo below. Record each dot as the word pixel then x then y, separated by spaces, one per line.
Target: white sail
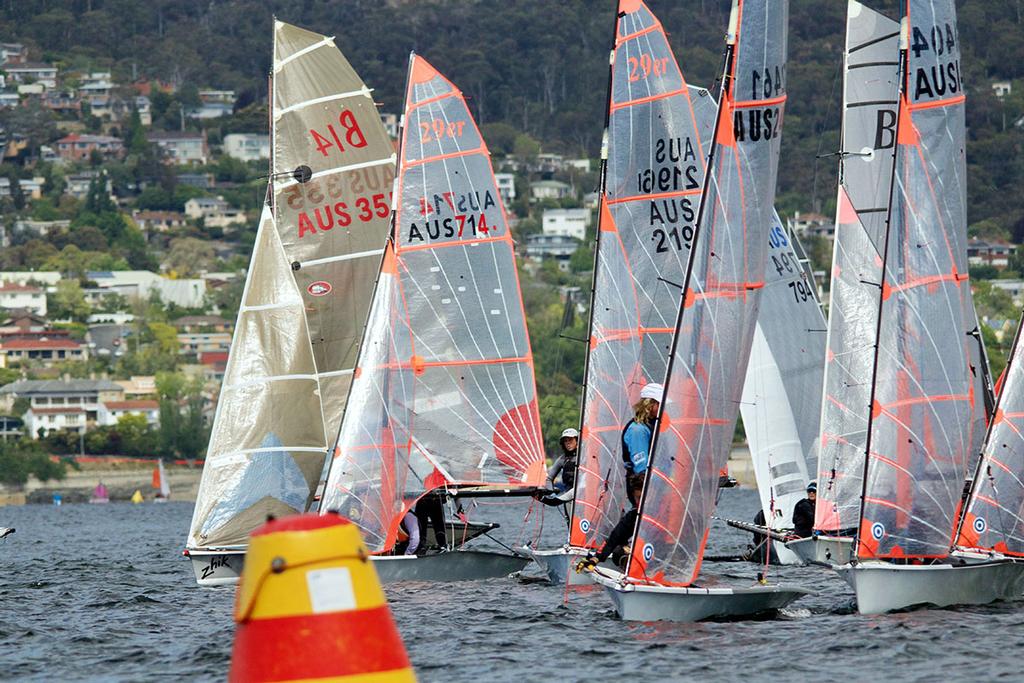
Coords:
pixel 165 486
pixel 781 400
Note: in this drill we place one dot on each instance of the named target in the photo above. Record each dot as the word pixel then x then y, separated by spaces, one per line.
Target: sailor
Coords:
pixel 565 465
pixel 803 513
pixel 636 446
pixel 430 510
pixel 636 439
pixel 408 534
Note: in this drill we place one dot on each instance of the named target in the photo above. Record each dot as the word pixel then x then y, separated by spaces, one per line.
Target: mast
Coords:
pixel 602 186
pixel 904 38
pixel 723 100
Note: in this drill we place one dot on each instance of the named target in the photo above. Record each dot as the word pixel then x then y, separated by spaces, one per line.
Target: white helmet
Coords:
pixel 569 433
pixel 653 391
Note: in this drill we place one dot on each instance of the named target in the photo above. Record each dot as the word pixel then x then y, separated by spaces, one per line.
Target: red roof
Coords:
pixel 30 344
pixel 57 411
pixel 15 287
pixel 213 357
pixel 132 405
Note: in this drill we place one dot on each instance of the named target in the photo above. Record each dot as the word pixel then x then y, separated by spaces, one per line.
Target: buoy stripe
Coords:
pixel 315 646
pixel 288 594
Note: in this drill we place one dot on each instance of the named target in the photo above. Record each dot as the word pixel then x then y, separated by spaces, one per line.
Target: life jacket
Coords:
pixel 569 469
pixel 626 460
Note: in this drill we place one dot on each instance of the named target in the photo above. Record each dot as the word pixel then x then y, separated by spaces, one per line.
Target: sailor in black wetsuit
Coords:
pixel 562 474
pixel 429 507
pixel 803 512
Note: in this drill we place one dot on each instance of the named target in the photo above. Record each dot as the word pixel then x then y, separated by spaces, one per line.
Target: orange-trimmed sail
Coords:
pixel 659 129
pixel 444 394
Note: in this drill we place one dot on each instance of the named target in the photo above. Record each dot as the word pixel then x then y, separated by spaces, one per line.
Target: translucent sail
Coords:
pixel 268 442
pixel 921 418
pixel 870 95
pixel 657 135
pixel 444 393
pixel 714 331
pixel 995 513
pixel 781 400
pixel 333 226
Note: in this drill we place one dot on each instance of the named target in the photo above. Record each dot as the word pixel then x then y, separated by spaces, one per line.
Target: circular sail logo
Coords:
pixel 877 531
pixel 980 525
pixel 319 288
pixel 585 526
pixel 648 551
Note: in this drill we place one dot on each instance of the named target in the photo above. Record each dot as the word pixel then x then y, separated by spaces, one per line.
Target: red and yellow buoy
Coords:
pixel 310 607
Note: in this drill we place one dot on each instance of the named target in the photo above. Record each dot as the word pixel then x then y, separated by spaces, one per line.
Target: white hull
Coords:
pixel 224 567
pixel 883 587
pixel 635 602
pixel 560 565
pixel 827 550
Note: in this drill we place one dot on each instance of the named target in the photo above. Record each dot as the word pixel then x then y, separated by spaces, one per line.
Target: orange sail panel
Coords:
pixel 714 328
pixel 444 393
pixel 923 410
pixel 658 132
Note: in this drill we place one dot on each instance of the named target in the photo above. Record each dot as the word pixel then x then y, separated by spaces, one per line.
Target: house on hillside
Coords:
pixel 568 222
pixel 22 320
pixel 40 349
pixel 111 411
pixel 549 189
pixel 158 221
pixel 813 224
pixel 196 343
pixel 14 295
pixel 247 146
pixel 139 386
pixel 31 72
pixel 559 247
pixel 77 147
pixel 506 187
pixel 13 53
pixel 203 323
pixel 215 212
pixel 181 148
pixel 60 404
pixel 133 284
pixel 994 253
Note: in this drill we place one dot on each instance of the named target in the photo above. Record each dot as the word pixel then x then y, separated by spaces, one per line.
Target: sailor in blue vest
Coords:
pixel 636 450
pixel 636 438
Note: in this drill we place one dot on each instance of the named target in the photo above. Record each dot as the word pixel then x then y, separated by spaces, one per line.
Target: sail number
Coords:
pixel 349 131
pixel 643 66
pixel 801 291
pixel 673 238
pixel 466 216
pixel 768 82
pixel 667 179
pixel 938 79
pixel 438 129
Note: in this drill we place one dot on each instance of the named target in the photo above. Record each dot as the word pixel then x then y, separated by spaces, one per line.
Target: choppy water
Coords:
pixel 102 593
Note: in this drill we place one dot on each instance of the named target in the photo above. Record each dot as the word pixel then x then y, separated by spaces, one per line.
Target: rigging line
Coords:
pixel 821 132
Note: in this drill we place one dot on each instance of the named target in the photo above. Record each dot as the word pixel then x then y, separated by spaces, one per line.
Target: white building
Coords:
pixel 215 212
pixel 136 284
pixel 549 189
pixel 568 222
pixel 506 186
pixel 111 411
pixel 390 122
pixel 1002 88
pixel 23 277
pixel 31 72
pixel 247 146
pixel 56 404
pixel 182 148
pixel 14 295
pixel 559 247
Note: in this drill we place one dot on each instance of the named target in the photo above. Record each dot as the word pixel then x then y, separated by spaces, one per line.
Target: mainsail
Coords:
pixel 995 514
pixel 921 414
pixel 306 297
pixel 715 324
pixel 656 145
pixel 444 393
pixel 781 400
pixel 870 91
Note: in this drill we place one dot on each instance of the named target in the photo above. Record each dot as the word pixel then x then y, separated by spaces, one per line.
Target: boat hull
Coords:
pixel 828 550
pixel 559 564
pixel 634 602
pixel 883 587
pixel 224 567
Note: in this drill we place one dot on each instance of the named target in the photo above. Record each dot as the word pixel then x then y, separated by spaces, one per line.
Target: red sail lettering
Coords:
pixel 353 134
pixel 305 225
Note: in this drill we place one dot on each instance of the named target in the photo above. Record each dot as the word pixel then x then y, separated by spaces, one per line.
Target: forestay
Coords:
pixel 921 417
pixel 333 226
pixel 444 392
pixel 995 513
pixel 658 132
pixel 268 442
pixel 870 95
pixel 781 400
pixel 715 325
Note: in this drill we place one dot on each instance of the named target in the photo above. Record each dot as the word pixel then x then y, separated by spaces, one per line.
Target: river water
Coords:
pixel 93 592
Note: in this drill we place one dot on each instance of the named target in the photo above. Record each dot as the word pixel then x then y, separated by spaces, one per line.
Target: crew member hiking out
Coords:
pixel 636 446
pixel 803 512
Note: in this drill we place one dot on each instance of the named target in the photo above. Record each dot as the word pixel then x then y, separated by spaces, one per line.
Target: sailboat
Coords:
pixel 921 408
pixel 781 400
pixel 711 341
pixel 657 129
pixel 307 293
pixel 161 483
pixel 99 495
pixel 444 401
